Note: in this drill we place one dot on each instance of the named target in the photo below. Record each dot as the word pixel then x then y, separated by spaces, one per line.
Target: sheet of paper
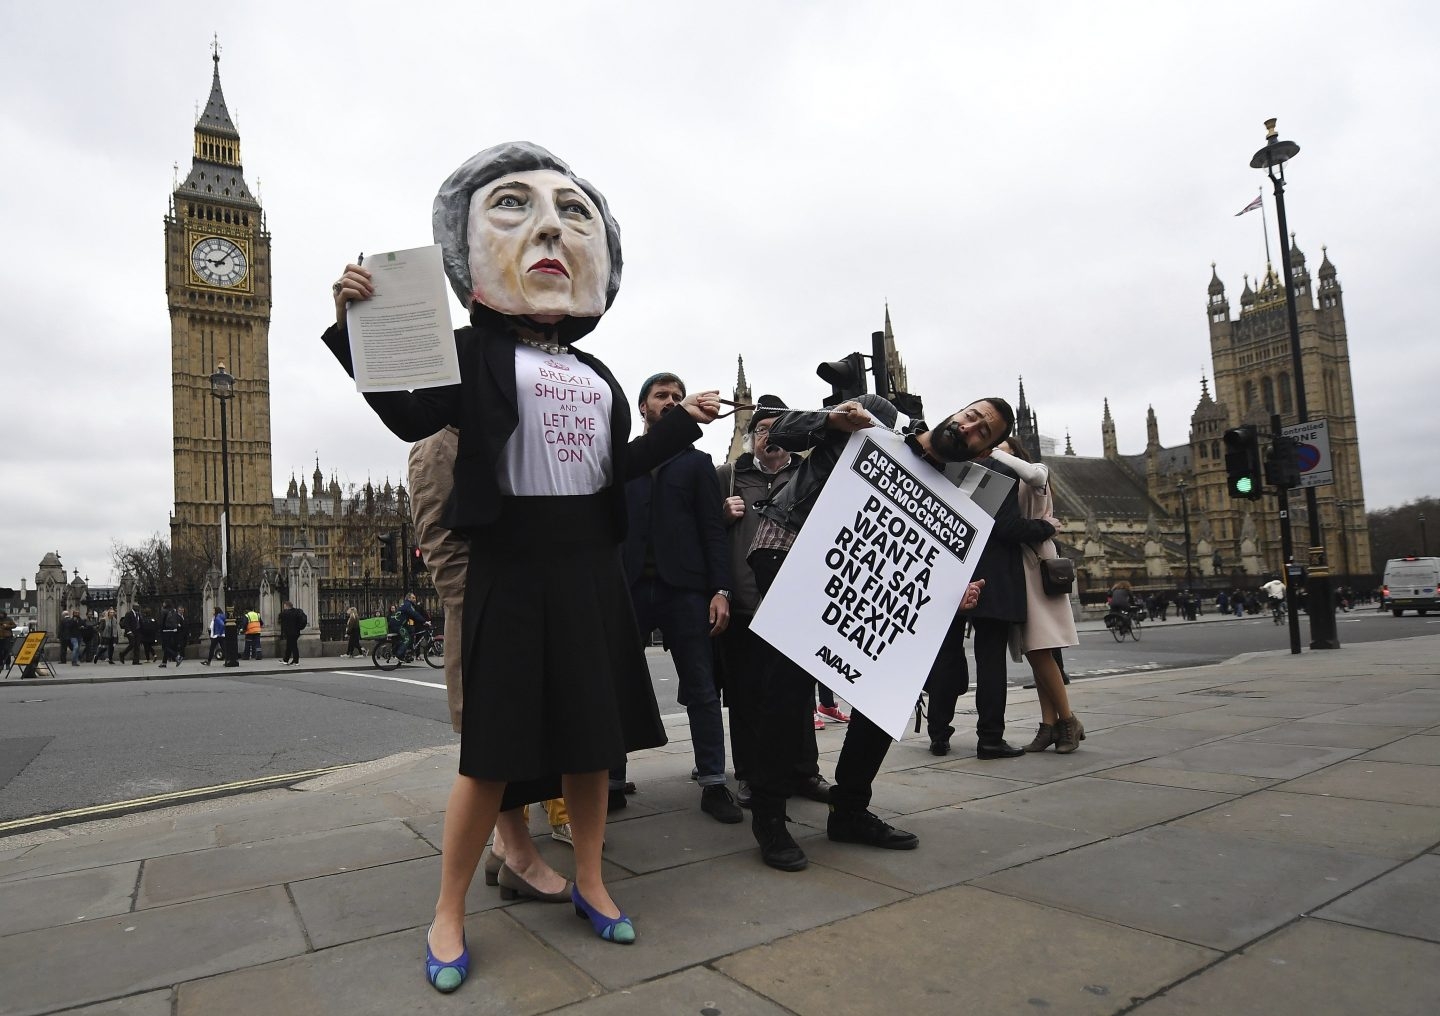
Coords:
pixel 401 338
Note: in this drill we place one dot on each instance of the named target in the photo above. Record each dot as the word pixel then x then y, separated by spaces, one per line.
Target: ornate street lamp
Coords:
pixel 1319 603
pixel 222 387
pixel 1185 515
pixel 1341 506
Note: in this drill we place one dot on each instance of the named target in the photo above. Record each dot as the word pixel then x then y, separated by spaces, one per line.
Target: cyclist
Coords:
pixel 1119 602
pixel 1275 593
pixel 412 621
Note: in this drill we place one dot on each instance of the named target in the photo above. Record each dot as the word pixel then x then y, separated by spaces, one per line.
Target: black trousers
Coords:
pixel 742 658
pixel 787 723
pixel 949 677
pixel 290 647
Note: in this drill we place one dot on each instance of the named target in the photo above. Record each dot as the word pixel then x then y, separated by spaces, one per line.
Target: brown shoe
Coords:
pixel 1044 738
pixel 1067 735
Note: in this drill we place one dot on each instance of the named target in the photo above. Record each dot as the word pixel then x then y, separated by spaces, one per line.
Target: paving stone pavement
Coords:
pixel 1261 836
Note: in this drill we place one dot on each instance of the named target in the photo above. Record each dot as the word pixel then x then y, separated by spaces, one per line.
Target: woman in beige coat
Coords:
pixel 1049 625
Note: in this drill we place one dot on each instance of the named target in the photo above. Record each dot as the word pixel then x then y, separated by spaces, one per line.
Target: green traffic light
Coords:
pixel 1244 485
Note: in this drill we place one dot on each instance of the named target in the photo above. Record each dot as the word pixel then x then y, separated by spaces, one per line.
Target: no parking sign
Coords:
pixel 1312 450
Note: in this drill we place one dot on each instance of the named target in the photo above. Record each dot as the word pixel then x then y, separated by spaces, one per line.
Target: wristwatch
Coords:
pixel 723 592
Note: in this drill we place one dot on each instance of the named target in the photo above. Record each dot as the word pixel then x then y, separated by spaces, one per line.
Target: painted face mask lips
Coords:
pixel 549 266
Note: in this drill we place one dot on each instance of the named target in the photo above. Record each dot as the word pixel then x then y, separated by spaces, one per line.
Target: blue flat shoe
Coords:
pixel 446 977
pixel 611 929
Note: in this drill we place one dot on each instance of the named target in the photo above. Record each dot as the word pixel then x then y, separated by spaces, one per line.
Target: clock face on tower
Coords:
pixel 218 261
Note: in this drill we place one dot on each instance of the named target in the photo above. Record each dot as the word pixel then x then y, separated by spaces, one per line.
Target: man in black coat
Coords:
pixel 71 641
pixel 677 564
pixel 172 635
pixel 292 622
pixel 1003 569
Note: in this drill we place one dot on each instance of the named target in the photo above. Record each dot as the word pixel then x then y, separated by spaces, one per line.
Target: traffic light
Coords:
pixel 1242 462
pixel 388 563
pixel 846 378
pixel 1282 465
pixel 417 561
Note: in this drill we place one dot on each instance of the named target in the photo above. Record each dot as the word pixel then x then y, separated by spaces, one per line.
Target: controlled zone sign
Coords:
pixel 876 574
pixel 1312 449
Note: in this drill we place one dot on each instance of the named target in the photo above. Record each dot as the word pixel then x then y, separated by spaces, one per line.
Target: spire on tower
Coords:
pixel 216 170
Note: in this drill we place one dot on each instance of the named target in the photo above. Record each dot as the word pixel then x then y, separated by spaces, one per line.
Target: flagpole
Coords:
pixel 1264 227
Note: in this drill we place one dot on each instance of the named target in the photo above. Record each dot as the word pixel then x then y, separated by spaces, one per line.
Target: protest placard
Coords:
pixel 874 578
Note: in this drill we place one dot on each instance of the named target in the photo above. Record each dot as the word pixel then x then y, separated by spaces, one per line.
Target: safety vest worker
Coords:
pixel 252 623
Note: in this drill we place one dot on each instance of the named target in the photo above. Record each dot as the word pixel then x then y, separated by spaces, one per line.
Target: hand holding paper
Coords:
pixel 400 332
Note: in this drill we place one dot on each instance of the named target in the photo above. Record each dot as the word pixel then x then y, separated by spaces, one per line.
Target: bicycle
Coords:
pixel 1277 611
pixel 426 645
pixel 1122 623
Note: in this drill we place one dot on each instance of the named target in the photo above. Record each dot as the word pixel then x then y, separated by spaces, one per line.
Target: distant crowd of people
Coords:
pixel 164 634
pixel 1234 601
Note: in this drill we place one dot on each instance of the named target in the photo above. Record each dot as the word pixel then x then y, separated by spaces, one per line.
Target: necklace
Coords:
pixel 553 348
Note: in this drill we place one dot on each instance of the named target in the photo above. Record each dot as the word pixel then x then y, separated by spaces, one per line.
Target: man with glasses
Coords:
pixel 748 483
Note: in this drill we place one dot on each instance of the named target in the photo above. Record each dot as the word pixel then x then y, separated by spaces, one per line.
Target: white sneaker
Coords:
pixel 561 833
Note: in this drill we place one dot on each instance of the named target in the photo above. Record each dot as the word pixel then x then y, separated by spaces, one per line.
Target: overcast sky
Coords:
pixel 1036 189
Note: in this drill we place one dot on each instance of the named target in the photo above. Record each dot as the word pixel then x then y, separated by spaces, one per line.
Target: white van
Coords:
pixel 1410 584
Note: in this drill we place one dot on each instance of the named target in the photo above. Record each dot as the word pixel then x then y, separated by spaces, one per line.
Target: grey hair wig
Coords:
pixel 450 217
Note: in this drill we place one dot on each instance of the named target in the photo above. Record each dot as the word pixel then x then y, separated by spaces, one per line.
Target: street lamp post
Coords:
pixel 404 549
pixel 1319 603
pixel 1340 512
pixel 222 387
pixel 1185 516
pixel 1424 544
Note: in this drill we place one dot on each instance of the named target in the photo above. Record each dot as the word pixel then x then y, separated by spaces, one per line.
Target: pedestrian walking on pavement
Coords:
pixel 352 628
pixel 71 637
pixel 109 634
pixel 292 622
pixel 217 637
pixel 130 625
pixel 172 634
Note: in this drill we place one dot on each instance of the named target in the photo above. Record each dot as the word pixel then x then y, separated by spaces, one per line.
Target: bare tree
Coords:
pixel 1396 532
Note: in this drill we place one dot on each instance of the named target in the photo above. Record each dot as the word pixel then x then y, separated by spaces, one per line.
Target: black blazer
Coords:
pixel 677 507
pixel 484 408
pixel 1001 565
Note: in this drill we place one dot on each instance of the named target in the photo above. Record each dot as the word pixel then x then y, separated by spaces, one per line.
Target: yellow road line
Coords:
pixel 159 800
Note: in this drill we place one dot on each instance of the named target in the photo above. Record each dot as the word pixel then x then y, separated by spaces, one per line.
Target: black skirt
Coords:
pixel 555 673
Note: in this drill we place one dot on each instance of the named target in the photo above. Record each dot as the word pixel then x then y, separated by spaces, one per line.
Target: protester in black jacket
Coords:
pixel 786 716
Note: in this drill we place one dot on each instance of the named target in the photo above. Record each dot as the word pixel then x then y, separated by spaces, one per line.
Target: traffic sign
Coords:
pixel 1312 451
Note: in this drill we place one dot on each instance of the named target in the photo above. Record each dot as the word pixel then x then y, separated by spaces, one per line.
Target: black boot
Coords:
pixel 777 847
pixel 848 825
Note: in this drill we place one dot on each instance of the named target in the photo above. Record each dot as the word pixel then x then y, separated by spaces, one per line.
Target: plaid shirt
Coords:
pixel 771 536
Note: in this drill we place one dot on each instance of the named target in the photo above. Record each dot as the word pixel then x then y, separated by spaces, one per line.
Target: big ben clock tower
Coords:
pixel 217 284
